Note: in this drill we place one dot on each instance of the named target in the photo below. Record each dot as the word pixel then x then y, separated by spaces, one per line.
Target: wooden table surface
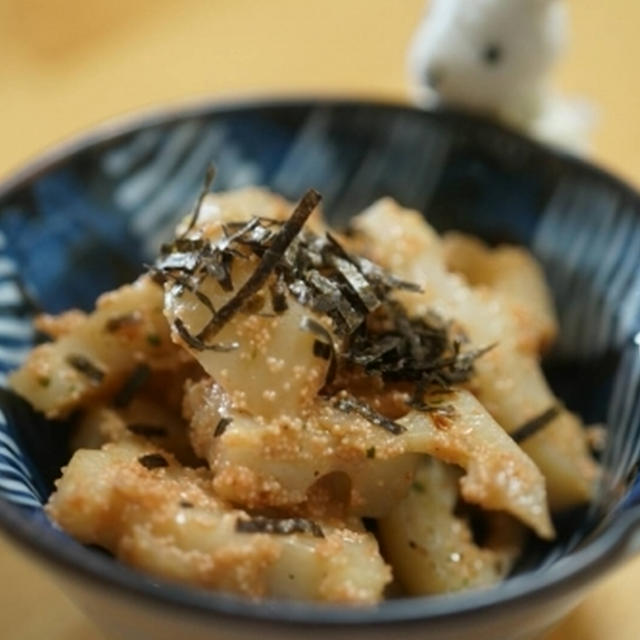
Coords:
pixel 66 65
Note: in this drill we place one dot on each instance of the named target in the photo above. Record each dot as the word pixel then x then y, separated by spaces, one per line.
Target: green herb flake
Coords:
pixel 147 430
pixel 418 487
pixel 132 385
pixel 84 366
pixel 371 452
pixel 536 424
pixel 153 461
pixel 222 425
pixel 279 526
pixel 154 339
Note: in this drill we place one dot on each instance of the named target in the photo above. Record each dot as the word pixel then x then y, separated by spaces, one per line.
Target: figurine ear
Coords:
pixel 437 7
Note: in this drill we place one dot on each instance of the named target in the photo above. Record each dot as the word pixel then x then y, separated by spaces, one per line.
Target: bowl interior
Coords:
pixel 90 220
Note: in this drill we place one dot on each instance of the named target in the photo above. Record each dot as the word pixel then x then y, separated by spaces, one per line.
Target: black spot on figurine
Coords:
pixel 492 54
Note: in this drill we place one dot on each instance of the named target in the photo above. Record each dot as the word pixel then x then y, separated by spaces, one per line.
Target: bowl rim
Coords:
pixel 574 571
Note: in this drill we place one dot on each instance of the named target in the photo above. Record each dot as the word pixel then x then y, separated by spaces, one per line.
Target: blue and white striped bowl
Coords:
pixel 85 218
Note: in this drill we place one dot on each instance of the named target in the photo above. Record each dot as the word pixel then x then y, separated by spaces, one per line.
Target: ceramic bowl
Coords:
pixel 86 217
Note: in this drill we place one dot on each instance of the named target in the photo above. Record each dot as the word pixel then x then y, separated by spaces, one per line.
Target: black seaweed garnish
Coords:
pixel 278 526
pixel 352 405
pixel 251 234
pixel 267 264
pixel 132 385
pixel 376 274
pixel 221 270
pixel 329 298
pixel 153 461
pixel 208 181
pixel 178 261
pixel 196 343
pixel 85 366
pixel 358 283
pixel 147 430
pixel 370 332
pixel 182 282
pixel 533 426
pixel 402 349
pixel 278 292
pixel 322 350
pixel 115 323
pixel 222 425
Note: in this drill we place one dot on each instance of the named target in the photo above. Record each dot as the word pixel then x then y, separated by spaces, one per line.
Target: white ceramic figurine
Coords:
pixel 494 57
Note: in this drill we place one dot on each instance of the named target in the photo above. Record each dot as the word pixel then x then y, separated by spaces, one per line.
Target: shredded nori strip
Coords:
pixel 223 266
pixel 352 405
pixel 333 302
pixel 147 430
pixel 114 324
pixel 374 272
pixel 85 366
pixel 186 283
pixel 279 526
pixel 183 244
pixel 196 343
pixel 178 261
pixel 301 292
pixel 277 290
pixel 418 403
pixel 377 336
pixel 132 385
pixel 268 262
pixel 322 350
pixel 402 349
pixel 534 425
pixel 367 355
pixel 153 461
pixel 337 246
pixel 244 234
pixel 222 425
pixel 309 324
pixel 208 181
pixel 357 282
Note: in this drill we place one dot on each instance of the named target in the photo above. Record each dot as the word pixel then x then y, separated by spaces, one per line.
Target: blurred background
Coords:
pixel 66 65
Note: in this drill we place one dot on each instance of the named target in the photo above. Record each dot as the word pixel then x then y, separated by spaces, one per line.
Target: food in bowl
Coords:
pixel 278 410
